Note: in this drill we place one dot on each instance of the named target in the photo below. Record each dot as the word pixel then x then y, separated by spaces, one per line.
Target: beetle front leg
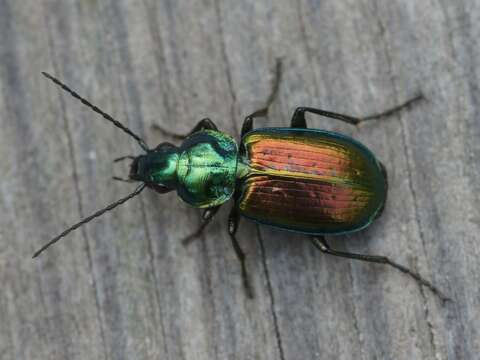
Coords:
pixel 232 229
pixel 298 118
pixel 207 216
pixel 320 243
pixel 204 124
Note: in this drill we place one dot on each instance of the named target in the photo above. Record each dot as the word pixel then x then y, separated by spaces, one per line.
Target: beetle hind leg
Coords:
pixel 321 244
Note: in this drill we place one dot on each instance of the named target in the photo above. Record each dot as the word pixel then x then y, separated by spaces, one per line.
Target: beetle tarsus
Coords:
pixel 121 158
pixel 417 277
pixel 118 178
pixel 187 240
pixel 204 124
pixel 167 132
pixel 232 229
pixel 395 109
pixel 273 94
pixel 207 216
pixel 248 122
pixel 321 244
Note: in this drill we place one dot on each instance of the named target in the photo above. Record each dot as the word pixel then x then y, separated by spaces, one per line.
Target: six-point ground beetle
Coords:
pixel 304 180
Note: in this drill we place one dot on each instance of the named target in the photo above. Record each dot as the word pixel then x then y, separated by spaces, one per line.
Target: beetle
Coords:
pixel 295 178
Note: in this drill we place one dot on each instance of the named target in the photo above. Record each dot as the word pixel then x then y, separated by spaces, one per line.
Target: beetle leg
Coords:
pixel 118 178
pixel 320 243
pixel 298 118
pixel 247 125
pixel 204 124
pixel 232 229
pixel 129 157
pixel 248 122
pixel 207 216
pixel 395 109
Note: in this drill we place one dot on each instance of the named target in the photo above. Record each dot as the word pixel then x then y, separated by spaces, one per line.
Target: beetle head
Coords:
pixel 157 168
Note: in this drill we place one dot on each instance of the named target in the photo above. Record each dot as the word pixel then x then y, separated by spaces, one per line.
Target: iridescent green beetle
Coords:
pixel 298 179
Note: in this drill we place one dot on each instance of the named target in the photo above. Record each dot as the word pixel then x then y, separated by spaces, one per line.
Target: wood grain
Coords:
pixel 124 287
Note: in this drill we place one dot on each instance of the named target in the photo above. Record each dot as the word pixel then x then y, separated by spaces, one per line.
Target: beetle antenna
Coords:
pixel 106 116
pixel 137 191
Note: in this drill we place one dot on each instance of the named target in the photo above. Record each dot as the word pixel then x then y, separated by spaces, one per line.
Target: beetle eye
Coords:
pixel 134 168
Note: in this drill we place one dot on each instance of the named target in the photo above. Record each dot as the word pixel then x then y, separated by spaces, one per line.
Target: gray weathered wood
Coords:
pixel 124 287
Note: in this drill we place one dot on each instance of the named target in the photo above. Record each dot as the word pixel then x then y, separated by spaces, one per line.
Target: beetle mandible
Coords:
pixel 311 181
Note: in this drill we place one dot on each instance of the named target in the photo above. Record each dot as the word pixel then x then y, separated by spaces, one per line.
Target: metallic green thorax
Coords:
pixel 206 168
pixel 202 170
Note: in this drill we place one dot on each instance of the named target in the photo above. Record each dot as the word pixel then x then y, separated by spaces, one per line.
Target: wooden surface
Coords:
pixel 125 288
